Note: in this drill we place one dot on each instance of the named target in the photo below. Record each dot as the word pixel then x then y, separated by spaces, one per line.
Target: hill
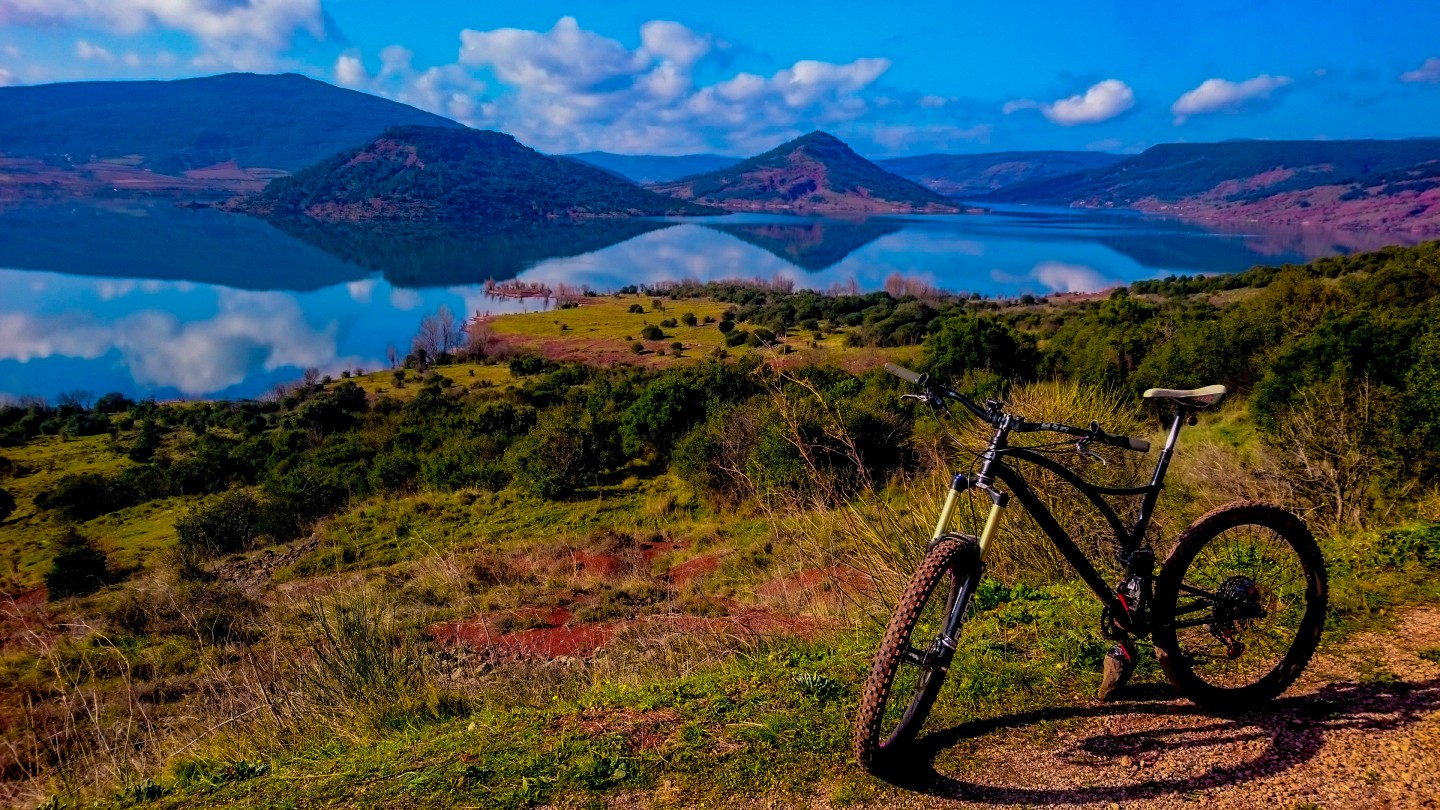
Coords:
pixel 646 169
pixel 255 121
pixel 440 174
pixel 814 173
pixel 970 175
pixel 1348 184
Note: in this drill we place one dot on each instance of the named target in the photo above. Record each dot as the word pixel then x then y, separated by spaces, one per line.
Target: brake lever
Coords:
pixel 1083 448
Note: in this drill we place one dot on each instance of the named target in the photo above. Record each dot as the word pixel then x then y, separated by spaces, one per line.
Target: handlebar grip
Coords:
pixel 903 373
pixel 1138 445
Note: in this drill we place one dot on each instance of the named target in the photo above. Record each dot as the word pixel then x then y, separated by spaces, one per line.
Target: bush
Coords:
pixel 637 348
pixel 221 525
pixel 78 568
pixel 652 332
pixel 726 326
pixel 689 319
pixel 636 309
pixel 736 338
pixel 86 496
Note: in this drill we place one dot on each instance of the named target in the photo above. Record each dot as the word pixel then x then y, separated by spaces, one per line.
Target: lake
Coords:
pixel 153 299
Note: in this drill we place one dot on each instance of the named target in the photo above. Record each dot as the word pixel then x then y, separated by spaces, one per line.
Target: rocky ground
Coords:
pixel 1362 730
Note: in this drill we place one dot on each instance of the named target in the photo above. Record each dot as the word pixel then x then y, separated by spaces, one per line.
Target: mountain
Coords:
pixel 815 173
pixel 1342 184
pixel 810 244
pixel 969 175
pixel 279 122
pixel 434 254
pixel 435 174
pixel 648 169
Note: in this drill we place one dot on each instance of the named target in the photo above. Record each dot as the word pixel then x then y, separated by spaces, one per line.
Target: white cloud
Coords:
pixel 350 71
pixel 1103 101
pixel 1066 277
pixel 570 89
pixel 909 138
pixel 195 357
pixel 1220 95
pixel 90 52
pixel 1428 72
pixel 231 33
pixel 7 78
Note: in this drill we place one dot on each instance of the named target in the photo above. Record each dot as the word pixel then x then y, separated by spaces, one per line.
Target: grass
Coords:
pixel 130 535
pixel 603 328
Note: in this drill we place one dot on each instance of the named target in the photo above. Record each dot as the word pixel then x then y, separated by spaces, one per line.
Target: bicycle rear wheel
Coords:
pixel 912 661
pixel 1239 606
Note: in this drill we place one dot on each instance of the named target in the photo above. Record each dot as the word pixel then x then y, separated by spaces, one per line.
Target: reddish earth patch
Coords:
pixel 23 616
pixel 579 640
pixel 693 568
pixel 605 565
pixel 643 730
pixel 835 580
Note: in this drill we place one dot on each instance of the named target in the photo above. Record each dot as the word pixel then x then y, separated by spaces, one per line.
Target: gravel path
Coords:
pixel 1361 730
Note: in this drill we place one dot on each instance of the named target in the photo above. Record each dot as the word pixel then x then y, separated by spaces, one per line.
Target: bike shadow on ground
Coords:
pixel 1291 730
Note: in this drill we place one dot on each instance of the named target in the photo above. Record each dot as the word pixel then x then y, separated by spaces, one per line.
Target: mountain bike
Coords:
pixel 1234 615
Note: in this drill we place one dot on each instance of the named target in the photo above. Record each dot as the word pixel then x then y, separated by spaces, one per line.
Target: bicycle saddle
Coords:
pixel 1209 395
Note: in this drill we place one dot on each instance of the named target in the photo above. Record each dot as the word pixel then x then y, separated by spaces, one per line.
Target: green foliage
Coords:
pixel 652 332
pixel 221 525
pixel 439 174
pixel 968 343
pixel 78 568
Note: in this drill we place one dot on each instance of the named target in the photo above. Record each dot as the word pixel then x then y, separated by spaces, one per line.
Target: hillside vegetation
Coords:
pixel 440 174
pixel 1361 184
pixel 275 122
pixel 813 173
pixel 492 578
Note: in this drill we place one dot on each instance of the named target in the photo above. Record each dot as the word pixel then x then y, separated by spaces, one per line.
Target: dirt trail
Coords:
pixel 1361 730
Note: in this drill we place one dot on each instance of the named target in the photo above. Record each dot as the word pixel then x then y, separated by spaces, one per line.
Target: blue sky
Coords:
pixel 741 76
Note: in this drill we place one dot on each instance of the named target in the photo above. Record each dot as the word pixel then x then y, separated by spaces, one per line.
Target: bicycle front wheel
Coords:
pixel 1239 606
pixel 912 661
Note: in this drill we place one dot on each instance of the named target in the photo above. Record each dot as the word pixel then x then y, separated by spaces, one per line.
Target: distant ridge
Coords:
pixel 433 174
pixel 647 169
pixel 1362 184
pixel 281 122
pixel 970 175
pixel 815 173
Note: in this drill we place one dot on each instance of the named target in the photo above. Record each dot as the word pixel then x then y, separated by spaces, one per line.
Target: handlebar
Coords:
pixel 994 416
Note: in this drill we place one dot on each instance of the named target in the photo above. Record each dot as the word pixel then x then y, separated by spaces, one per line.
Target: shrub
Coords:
pixel 79 567
pixel 221 525
pixel 689 319
pixel 652 332
pixel 636 309
pixel 637 347
pixel 677 347
pixel 87 496
pixel 737 338
pixel 669 323
pixel 726 326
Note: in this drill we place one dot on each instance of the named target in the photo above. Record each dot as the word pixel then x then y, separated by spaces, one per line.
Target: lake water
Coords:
pixel 152 299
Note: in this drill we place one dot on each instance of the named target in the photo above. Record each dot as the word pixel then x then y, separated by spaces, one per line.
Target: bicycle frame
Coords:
pixel 1130 539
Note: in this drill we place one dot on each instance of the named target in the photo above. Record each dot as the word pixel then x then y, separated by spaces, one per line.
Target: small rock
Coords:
pixel 1126 762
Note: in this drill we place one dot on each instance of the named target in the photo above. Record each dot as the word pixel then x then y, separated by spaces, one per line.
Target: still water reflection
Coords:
pixel 154 299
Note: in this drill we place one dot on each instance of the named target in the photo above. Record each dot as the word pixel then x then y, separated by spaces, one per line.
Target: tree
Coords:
pixel 688 319
pixel 440 333
pixel 78 568
pixel 652 332
pixel 983 343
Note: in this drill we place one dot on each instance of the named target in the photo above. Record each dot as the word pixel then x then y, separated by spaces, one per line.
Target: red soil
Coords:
pixel 693 568
pixel 578 640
